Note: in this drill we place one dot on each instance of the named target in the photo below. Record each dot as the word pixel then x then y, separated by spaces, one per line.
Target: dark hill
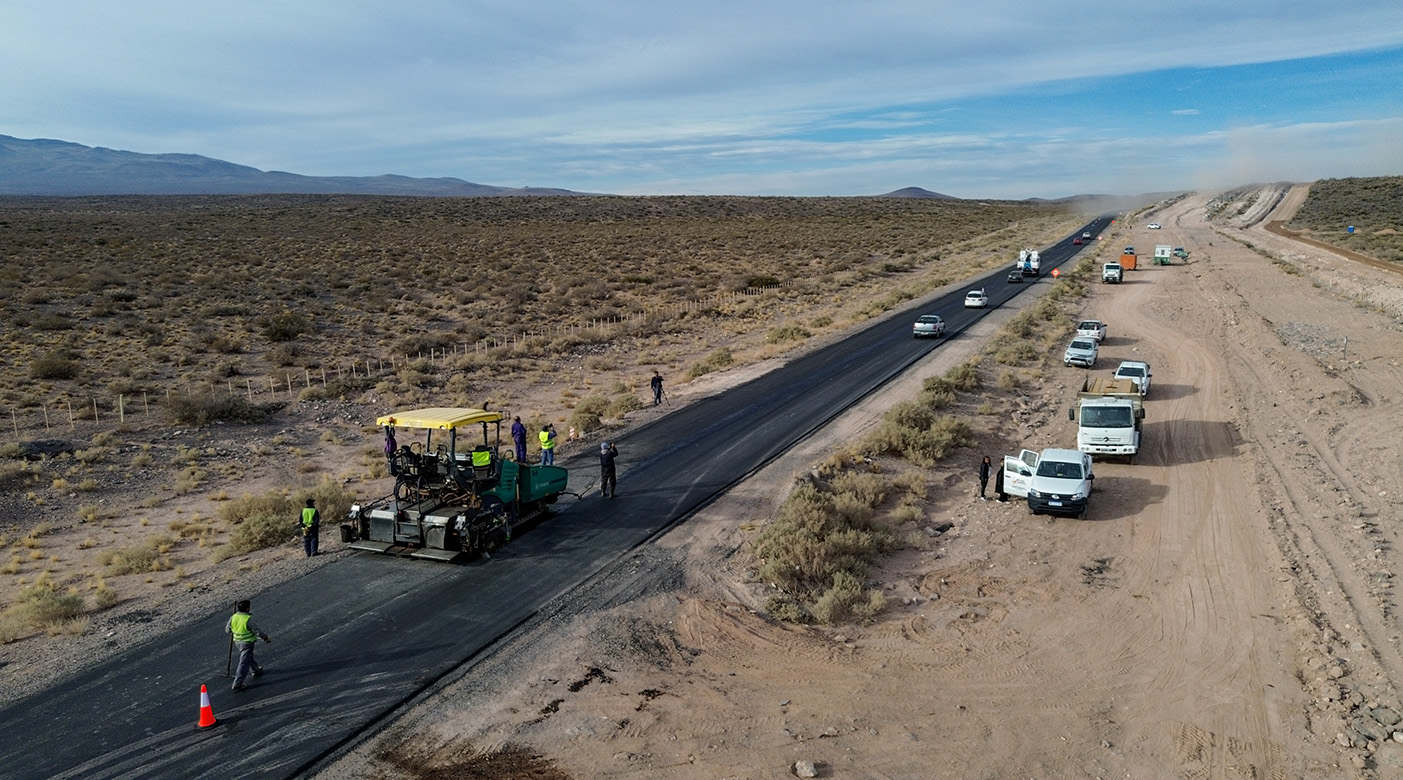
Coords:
pixel 915 192
pixel 47 167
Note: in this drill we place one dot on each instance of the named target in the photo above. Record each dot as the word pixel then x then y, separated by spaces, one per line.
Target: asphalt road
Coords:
pixel 354 640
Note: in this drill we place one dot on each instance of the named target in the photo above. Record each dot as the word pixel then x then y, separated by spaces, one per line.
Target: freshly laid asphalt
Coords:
pixel 354 640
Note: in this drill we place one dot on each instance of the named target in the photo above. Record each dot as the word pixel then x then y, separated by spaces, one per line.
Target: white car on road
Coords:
pixel 928 325
pixel 1153 226
pixel 976 299
pixel 1081 352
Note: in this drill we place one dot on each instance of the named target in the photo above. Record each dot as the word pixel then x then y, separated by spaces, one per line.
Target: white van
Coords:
pixel 1055 481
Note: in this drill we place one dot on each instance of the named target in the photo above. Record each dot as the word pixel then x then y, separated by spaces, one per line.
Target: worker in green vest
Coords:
pixel 244 635
pixel 548 445
pixel 311 526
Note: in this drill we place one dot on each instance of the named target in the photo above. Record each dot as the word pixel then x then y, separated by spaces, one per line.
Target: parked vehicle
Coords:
pixel 1180 252
pixel 1081 352
pixel 1164 254
pixel 1136 371
pixel 1054 481
pixel 1108 415
pixel 1128 261
pixel 1111 273
pixel 1092 329
pixel 1153 226
pixel 1129 250
pixel 976 299
pixel 929 325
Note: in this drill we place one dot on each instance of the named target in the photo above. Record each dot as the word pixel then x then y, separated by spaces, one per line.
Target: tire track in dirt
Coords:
pixel 1197 591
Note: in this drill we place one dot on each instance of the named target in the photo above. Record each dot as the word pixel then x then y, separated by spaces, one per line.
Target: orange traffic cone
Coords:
pixel 206 711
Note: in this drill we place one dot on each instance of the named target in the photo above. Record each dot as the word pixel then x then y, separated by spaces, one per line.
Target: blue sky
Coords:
pixel 996 99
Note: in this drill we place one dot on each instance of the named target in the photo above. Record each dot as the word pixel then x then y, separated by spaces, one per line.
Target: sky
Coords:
pixel 981 99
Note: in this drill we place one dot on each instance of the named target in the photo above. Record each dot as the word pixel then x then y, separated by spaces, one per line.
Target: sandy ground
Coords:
pixel 1225 612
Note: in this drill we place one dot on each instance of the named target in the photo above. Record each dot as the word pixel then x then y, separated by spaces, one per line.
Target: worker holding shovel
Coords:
pixel 244 635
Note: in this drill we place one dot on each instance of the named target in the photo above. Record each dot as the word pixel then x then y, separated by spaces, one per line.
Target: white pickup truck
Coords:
pixel 1092 329
pixel 1136 371
pixel 1054 481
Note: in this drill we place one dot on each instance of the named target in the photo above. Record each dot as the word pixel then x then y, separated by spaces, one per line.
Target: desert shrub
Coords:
pixel 869 489
pixel 622 405
pixel 273 518
pixel 716 361
pixel 920 446
pixel 283 326
pixel 761 280
pixel 1012 353
pixel 784 607
pixel 1009 379
pixel 42 606
pixel 151 556
pixel 786 333
pixel 54 366
pixel 964 377
pixel 846 599
pixel 589 413
pixel 201 409
pixel 814 536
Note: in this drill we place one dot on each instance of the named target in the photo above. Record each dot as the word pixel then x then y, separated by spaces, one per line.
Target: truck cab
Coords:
pixel 1108 415
pixel 1112 273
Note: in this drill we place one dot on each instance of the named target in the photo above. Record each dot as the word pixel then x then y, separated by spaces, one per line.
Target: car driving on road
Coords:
pixel 1015 277
pixel 929 325
pixel 1153 226
pixel 976 299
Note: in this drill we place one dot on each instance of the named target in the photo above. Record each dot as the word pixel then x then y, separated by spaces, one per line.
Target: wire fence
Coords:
pixel 96 411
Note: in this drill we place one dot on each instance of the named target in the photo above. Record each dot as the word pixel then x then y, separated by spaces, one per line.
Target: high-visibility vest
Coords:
pixel 238 626
pixel 547 441
pixel 309 516
pixel 481 459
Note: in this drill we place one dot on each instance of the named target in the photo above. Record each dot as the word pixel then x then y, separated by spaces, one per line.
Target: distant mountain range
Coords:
pixel 45 167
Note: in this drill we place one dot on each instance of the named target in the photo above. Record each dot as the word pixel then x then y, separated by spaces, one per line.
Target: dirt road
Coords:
pixel 1225 612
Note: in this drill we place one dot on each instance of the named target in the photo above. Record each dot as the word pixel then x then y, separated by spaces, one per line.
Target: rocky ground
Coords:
pixel 1226 610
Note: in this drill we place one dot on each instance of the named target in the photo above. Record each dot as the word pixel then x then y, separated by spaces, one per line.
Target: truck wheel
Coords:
pixel 1081 515
pixel 1032 511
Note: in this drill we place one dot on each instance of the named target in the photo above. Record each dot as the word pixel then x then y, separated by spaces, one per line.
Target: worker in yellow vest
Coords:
pixel 244 635
pixel 548 445
pixel 311 526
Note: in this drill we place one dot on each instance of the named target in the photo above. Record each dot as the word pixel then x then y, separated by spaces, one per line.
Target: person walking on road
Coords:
pixel 984 467
pixel 548 445
pixel 244 634
pixel 657 384
pixel 311 527
pixel 519 439
pixel 608 479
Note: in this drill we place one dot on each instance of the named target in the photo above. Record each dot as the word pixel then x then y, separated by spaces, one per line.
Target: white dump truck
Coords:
pixel 1112 273
pixel 1108 415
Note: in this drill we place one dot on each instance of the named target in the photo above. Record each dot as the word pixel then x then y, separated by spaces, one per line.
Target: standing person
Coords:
pixel 999 485
pixel 608 480
pixel 244 635
pixel 984 466
pixel 519 439
pixel 657 384
pixel 548 445
pixel 311 527
pixel 390 446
